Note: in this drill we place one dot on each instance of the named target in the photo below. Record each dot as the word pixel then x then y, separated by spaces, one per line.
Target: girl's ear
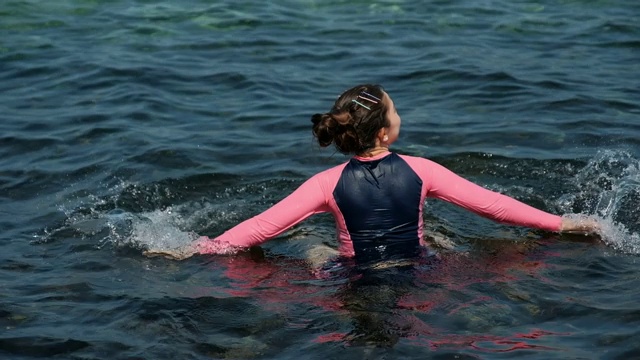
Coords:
pixel 382 135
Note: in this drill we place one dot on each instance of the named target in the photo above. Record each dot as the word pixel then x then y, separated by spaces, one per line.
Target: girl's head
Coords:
pixel 363 117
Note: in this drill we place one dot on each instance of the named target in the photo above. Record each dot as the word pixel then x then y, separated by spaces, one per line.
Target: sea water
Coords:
pixel 133 127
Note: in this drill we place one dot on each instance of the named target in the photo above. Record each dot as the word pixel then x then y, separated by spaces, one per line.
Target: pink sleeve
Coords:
pixel 446 185
pixel 305 201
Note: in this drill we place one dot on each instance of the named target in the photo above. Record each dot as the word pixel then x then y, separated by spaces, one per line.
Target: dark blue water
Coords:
pixel 135 125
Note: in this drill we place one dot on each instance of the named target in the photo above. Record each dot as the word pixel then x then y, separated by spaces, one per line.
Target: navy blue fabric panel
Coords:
pixel 380 201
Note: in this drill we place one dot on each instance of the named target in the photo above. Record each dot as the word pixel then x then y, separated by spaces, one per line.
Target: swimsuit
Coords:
pixel 377 203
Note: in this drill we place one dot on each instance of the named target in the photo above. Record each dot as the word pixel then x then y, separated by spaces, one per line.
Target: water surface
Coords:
pixel 135 125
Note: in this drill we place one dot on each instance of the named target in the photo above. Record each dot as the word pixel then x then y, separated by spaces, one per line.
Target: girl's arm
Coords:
pixel 306 200
pixel 446 185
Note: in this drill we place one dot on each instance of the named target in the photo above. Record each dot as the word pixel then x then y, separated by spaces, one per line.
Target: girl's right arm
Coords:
pixel 306 200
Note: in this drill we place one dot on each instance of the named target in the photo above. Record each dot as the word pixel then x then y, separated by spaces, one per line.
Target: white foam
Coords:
pixel 607 188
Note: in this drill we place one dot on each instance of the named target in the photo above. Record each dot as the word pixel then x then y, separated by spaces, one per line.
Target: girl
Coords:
pixel 377 197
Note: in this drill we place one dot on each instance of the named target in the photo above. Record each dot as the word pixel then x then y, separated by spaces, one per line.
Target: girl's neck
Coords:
pixel 373 152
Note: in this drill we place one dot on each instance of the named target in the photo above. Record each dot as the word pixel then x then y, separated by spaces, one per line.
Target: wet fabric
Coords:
pixel 377 204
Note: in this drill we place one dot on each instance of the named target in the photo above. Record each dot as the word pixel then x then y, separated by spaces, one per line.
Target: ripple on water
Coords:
pixel 129 126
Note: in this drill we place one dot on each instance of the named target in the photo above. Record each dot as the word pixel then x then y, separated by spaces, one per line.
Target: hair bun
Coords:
pixel 324 128
pixel 337 128
pixel 316 119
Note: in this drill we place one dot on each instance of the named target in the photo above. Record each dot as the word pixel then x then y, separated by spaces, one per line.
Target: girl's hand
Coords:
pixel 207 245
pixel 202 245
pixel 579 225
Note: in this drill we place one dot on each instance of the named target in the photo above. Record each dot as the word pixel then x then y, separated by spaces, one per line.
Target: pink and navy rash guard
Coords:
pixel 377 204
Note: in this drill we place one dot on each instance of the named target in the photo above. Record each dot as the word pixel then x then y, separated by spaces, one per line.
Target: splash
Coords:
pixel 608 189
pixel 158 230
pixel 166 232
pixel 133 216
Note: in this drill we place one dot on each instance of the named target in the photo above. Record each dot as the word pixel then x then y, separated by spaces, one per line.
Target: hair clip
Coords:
pixel 370 96
pixel 369 100
pixel 361 104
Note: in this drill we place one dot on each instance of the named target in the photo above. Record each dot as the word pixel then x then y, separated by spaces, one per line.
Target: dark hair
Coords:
pixel 349 125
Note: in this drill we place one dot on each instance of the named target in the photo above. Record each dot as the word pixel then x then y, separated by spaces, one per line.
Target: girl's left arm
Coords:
pixel 448 186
